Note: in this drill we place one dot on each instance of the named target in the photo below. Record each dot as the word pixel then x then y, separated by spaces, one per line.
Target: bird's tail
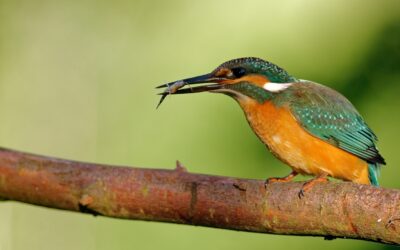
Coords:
pixel 373 173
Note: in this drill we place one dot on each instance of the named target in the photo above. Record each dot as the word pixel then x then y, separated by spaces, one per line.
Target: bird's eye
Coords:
pixel 238 72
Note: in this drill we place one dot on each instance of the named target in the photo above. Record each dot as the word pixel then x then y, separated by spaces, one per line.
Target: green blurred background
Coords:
pixel 77 81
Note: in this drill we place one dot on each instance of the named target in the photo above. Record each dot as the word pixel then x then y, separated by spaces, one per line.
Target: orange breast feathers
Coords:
pixel 303 152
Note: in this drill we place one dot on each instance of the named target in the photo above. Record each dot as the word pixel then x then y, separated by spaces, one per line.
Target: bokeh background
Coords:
pixel 77 81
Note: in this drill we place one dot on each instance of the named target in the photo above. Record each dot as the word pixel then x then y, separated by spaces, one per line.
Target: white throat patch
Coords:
pixel 276 87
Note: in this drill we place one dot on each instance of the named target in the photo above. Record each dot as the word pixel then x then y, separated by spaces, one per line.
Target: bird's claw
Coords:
pixel 266 182
pixel 301 193
pixel 280 179
pixel 270 181
pixel 309 184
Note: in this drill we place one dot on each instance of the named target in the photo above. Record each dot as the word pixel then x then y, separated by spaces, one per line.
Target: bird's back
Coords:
pixel 314 128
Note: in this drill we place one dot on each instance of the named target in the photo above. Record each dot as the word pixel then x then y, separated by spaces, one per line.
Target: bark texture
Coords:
pixel 331 210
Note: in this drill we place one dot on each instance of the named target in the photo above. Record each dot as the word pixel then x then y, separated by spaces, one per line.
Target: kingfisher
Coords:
pixel 310 127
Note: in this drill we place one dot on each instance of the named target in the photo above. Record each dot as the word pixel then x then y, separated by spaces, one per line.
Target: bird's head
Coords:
pixel 241 78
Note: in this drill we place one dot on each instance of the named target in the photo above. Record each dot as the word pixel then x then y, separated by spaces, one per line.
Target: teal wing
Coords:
pixel 329 116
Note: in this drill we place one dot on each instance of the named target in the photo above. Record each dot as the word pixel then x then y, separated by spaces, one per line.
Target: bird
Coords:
pixel 312 128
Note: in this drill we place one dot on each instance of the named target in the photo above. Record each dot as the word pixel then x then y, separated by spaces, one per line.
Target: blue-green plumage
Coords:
pixel 373 170
pixel 253 65
pixel 329 116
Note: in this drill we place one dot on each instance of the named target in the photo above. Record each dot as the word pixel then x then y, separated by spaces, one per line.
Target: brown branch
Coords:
pixel 329 209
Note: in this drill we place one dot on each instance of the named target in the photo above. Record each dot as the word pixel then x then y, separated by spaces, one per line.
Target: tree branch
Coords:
pixel 332 210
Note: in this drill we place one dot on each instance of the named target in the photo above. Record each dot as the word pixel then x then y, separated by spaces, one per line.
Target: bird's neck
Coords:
pixel 247 93
pixel 261 117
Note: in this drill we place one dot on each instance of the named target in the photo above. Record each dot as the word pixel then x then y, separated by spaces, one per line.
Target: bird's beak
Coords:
pixel 176 87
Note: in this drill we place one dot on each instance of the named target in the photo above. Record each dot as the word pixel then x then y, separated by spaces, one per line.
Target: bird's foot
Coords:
pixel 280 179
pixel 309 184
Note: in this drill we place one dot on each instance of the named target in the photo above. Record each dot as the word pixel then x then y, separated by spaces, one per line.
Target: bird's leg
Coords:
pixel 310 183
pixel 287 178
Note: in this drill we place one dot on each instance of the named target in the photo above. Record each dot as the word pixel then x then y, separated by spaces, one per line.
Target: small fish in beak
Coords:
pixel 171 89
pixel 176 87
